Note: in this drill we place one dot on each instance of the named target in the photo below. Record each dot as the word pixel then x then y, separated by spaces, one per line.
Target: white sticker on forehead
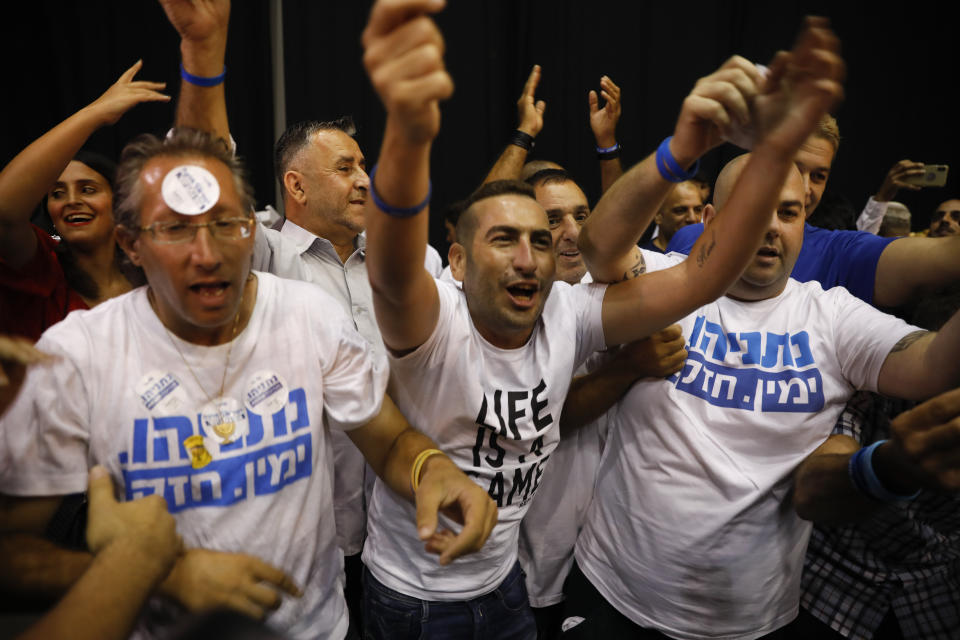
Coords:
pixel 190 190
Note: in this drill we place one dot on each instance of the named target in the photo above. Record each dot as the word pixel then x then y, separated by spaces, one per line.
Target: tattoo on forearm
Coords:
pixel 908 340
pixel 639 267
pixel 705 251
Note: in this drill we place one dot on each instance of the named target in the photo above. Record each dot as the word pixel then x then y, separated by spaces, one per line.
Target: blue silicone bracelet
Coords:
pixel 865 477
pixel 397 212
pixel 202 81
pixel 669 168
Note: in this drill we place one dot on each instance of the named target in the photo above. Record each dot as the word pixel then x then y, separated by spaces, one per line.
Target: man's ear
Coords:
pixel 293 186
pixel 127 240
pixel 708 214
pixel 658 219
pixel 457 257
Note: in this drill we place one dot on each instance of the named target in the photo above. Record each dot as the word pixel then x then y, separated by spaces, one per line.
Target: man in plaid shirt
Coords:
pixel 896 568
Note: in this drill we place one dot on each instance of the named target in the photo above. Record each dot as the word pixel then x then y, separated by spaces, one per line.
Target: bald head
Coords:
pixel 731 172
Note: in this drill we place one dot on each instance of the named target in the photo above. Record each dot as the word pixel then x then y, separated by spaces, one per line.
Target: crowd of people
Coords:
pixel 574 429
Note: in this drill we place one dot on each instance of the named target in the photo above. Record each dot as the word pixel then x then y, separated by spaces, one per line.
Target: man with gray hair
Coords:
pixel 217 400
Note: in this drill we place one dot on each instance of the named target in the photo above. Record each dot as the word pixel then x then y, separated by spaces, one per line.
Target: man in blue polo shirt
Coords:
pixel 885 272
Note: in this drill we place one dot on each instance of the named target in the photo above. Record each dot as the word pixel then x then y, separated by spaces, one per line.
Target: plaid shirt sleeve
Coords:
pixel 906 557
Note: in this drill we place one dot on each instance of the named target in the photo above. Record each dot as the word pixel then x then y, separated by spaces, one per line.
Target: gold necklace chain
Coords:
pixel 226 364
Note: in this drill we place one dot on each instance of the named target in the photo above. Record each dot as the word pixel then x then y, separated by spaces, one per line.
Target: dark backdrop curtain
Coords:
pixel 902 72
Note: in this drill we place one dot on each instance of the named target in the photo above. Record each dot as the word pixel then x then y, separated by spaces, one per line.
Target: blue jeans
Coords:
pixel 502 614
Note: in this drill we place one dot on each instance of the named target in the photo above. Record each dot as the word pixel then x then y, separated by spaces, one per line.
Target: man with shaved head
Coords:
pixel 690 533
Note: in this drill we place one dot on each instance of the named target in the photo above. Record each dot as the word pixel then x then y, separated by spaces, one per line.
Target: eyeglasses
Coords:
pixel 181 232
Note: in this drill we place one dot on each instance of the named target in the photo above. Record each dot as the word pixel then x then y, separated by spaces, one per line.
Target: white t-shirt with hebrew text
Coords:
pixel 120 395
pixel 691 530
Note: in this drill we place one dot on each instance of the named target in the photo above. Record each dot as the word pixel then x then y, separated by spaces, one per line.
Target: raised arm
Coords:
pixel 202 25
pixel 603 122
pixel 801 86
pixel 529 123
pixel 25 180
pixel 404 59
pixel 609 237
pixel 872 216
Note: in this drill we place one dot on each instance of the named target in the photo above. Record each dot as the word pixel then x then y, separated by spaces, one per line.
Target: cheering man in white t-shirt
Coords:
pixel 217 387
pixel 485 370
pixel 691 533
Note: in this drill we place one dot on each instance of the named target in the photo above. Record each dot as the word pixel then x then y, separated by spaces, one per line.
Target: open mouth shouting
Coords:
pixel 523 295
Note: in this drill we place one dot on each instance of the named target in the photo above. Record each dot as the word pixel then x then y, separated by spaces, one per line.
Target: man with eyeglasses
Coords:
pixel 204 388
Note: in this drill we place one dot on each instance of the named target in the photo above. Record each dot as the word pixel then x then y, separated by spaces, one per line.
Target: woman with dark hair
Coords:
pixel 43 279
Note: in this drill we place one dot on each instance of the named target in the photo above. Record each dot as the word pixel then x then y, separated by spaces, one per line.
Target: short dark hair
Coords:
pixel 549 176
pixel 297 136
pixel 467 222
pixel 181 142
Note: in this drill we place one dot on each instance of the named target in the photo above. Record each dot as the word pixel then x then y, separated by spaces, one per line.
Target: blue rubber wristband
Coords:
pixel 397 212
pixel 668 167
pixel 202 81
pixel 866 480
pixel 615 147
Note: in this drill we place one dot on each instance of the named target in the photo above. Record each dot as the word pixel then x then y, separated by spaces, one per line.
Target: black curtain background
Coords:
pixel 901 78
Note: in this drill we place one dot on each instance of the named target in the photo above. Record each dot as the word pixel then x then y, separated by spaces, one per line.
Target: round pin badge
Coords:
pixel 161 393
pixel 266 393
pixel 190 189
pixel 224 420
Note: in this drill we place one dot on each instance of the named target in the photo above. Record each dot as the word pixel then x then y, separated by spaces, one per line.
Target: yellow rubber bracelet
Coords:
pixel 418 465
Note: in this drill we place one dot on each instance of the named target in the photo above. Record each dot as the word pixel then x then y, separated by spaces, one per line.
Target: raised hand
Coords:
pixel 604 121
pixel 529 109
pixel 404 59
pixel 124 94
pixel 896 180
pixel 716 108
pixel 203 580
pixel 198 20
pixel 801 86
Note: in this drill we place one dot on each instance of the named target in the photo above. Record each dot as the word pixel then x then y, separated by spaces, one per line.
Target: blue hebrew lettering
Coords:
pixel 793 391
pixel 753 339
pixel 802 342
pixel 719 385
pixel 777 351
pixel 225 481
pixel 175 428
pixel 714 333
pixel 298 398
pixel 695 332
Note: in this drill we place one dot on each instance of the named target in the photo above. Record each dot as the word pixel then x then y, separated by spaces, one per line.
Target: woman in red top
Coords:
pixel 41 280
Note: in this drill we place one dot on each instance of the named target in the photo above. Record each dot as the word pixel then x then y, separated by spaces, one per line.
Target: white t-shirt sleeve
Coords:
pixel 655 261
pixel 864 338
pixel 354 380
pixel 432 262
pixel 47 430
pixel 432 352
pixel 587 301
pixel 872 216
